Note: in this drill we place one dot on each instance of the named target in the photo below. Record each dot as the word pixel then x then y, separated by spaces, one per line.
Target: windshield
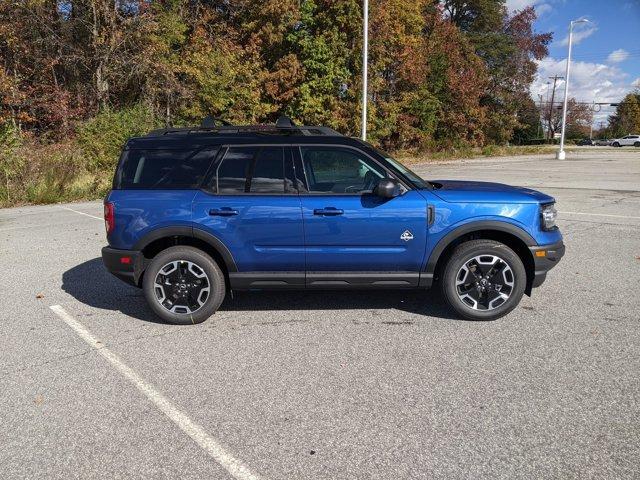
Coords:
pixel 414 177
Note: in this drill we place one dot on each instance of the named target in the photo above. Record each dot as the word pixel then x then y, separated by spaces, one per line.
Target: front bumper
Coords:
pixel 127 265
pixel 545 257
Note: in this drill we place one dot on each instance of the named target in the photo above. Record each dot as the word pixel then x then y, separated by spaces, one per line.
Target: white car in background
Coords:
pixel 629 140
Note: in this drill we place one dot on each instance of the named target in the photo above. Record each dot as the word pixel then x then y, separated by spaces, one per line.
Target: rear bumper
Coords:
pixel 545 257
pixel 127 265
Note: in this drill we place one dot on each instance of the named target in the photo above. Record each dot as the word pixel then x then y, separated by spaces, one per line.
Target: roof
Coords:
pixel 211 134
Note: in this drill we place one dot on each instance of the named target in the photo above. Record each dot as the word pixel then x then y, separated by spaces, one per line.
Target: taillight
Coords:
pixel 109 217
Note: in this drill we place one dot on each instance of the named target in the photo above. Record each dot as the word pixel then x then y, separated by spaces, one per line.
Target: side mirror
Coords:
pixel 387 188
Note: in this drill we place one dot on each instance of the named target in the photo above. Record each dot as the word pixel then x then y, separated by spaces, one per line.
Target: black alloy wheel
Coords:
pixel 483 279
pixel 184 285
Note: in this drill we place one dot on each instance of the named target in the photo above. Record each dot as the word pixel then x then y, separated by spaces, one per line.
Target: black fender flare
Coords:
pixel 496 225
pixel 189 231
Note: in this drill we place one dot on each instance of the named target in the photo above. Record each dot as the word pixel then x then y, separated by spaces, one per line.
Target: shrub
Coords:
pixel 102 137
pixel 50 174
pixel 58 173
pixel 489 150
pixel 10 161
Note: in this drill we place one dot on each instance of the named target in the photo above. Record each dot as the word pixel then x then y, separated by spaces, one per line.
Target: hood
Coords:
pixel 458 191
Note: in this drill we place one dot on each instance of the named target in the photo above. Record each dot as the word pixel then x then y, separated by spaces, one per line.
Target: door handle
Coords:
pixel 328 211
pixel 223 212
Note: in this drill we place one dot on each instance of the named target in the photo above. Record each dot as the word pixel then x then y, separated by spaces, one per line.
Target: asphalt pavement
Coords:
pixel 329 385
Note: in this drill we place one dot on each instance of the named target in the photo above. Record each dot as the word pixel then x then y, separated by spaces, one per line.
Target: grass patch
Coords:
pixel 476 152
pixel 51 174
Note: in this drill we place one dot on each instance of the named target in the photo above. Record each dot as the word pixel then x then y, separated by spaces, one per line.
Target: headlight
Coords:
pixel 549 215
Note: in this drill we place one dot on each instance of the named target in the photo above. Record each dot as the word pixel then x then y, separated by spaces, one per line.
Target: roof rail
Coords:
pixel 210 122
pixel 216 126
pixel 284 122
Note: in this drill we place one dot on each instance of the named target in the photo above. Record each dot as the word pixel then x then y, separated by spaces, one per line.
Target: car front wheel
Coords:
pixel 183 285
pixel 483 280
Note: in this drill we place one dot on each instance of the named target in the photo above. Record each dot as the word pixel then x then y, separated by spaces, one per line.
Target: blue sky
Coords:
pixel 605 62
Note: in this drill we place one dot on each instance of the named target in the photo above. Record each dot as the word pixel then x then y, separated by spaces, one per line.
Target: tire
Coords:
pixel 459 284
pixel 191 284
pixel 616 144
pixel 637 144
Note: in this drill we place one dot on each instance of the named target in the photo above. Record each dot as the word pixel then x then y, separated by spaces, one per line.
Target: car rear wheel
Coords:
pixel 483 280
pixel 637 144
pixel 183 285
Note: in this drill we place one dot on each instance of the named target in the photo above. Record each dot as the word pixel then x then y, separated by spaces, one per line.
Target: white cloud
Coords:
pixel 519 4
pixel 636 83
pixel 541 6
pixel 618 56
pixel 589 82
pixel 579 34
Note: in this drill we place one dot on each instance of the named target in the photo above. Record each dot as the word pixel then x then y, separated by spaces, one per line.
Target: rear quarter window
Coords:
pixel 163 169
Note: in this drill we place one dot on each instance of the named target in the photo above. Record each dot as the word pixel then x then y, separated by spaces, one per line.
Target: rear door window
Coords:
pixel 163 169
pixel 234 169
pixel 258 170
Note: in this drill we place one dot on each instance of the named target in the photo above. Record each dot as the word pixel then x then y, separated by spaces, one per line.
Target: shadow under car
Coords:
pixel 91 284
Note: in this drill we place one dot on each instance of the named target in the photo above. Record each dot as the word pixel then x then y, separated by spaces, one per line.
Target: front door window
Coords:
pixel 339 171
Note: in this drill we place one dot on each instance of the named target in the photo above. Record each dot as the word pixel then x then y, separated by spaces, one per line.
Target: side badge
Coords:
pixel 406 236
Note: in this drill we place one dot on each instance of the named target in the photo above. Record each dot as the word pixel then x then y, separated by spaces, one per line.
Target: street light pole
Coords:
pixel 365 61
pixel 561 155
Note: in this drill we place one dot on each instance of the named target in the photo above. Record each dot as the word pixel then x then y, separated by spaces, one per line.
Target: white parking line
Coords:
pixel 599 215
pixel 210 445
pixel 82 213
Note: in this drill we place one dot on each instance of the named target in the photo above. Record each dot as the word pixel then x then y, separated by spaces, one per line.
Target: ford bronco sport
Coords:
pixel 197 212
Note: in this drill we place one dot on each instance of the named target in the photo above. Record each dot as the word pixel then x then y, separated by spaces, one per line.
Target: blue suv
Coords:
pixel 197 212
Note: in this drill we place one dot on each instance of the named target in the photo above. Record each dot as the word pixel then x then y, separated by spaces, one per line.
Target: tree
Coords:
pixel 579 119
pixel 529 124
pixel 626 119
pixel 509 47
pixel 442 73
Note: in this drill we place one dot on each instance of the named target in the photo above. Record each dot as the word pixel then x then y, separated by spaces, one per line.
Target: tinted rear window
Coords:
pixel 163 169
pixel 253 170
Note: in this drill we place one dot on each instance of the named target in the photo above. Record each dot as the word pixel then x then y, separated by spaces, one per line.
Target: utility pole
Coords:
pixel 593 108
pixel 555 79
pixel 365 61
pixel 546 101
pixel 540 114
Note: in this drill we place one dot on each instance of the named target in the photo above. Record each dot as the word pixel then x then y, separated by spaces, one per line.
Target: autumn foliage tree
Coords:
pixel 626 119
pixel 442 73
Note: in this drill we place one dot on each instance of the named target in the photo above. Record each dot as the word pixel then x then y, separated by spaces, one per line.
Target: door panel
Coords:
pixel 366 236
pixel 256 214
pixel 350 229
pixel 264 234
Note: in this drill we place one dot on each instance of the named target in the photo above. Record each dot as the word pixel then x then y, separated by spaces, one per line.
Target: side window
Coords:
pixel 234 170
pixel 268 172
pixel 252 170
pixel 339 170
pixel 163 169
